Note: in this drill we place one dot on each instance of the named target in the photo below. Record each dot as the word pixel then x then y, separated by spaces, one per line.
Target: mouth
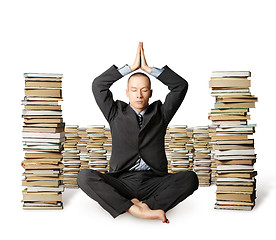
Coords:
pixel 139 102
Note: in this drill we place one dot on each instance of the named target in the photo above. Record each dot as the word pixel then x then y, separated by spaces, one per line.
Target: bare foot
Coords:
pixel 142 210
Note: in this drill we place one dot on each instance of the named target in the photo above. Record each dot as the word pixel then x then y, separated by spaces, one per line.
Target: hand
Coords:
pixel 137 63
pixel 144 65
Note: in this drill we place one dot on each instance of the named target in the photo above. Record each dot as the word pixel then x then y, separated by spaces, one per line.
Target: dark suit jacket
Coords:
pixel 128 140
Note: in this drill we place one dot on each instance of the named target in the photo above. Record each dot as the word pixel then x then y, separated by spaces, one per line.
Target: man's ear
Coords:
pixel 150 93
pixel 127 93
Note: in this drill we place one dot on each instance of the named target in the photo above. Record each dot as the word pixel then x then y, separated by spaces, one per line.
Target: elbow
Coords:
pixel 187 86
pixel 184 87
pixel 95 85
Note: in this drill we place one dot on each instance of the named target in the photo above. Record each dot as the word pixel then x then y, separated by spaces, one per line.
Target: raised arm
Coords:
pixel 101 87
pixel 177 85
pixel 102 94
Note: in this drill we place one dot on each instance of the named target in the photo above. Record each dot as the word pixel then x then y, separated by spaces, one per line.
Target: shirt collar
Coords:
pixel 142 113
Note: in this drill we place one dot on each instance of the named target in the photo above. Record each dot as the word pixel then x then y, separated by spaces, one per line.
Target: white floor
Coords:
pixel 195 217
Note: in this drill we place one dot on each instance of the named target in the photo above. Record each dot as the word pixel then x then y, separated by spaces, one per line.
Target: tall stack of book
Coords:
pixel 43 137
pixel 108 145
pixel 234 152
pixel 71 160
pixel 179 154
pixel 202 158
pixel 96 151
pixel 82 147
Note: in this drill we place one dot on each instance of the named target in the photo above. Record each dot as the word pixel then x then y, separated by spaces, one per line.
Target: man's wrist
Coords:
pixel 147 69
pixel 154 71
pixel 125 70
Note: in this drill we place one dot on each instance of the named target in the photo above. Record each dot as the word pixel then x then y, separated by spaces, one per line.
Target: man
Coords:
pixel 138 181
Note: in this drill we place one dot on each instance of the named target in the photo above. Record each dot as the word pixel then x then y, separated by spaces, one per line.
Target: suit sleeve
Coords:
pixel 102 94
pixel 178 87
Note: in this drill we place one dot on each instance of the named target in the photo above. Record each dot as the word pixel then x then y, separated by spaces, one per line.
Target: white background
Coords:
pixel 81 39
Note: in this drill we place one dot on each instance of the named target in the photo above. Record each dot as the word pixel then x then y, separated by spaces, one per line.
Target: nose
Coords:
pixel 139 94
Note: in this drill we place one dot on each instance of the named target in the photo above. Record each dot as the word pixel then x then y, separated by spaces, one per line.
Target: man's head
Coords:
pixel 139 91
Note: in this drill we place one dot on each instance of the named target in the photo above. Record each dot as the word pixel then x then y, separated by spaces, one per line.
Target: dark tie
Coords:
pixel 140 120
pixel 137 163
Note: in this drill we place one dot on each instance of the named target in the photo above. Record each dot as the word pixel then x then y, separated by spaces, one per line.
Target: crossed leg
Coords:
pixel 156 195
pixel 142 210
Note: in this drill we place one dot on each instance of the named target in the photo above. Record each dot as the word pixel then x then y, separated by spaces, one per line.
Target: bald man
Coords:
pixel 138 181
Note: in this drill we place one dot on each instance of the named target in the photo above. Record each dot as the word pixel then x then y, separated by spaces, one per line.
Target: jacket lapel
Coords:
pixel 152 108
pixel 131 115
pixel 146 118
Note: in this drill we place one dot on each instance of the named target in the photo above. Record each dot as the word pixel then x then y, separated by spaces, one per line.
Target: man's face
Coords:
pixel 139 92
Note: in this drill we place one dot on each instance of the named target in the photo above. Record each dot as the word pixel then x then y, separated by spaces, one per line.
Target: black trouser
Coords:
pixel 158 192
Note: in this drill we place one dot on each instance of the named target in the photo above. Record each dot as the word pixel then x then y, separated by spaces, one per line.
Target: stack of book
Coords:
pixel 82 147
pixel 179 158
pixel 71 160
pixel 43 137
pixel 96 151
pixel 234 152
pixel 108 145
pixel 202 158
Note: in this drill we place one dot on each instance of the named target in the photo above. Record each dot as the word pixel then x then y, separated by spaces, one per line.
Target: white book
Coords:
pixel 71 151
pixel 42 172
pixel 178 126
pixel 222 179
pixel 235 129
pixel 40 144
pixel 43 75
pixel 96 126
pixel 42 147
pixel 201 162
pixel 234 167
pixel 237 126
pixel 43 135
pixel 180 151
pixel 41 204
pixel 96 135
pixel 201 168
pixel 245 90
pixel 98 151
pixel 54 103
pixel 231 74
pixel 72 126
pixel 202 150
pixel 60 188
pixel 201 127
pixel 41 113
pixel 180 169
pixel 235 152
pixel 70 169
pixel 179 162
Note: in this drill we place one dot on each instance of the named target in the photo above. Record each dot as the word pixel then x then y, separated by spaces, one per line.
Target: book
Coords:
pixel 232 150
pixel 43 137
pixel 231 74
